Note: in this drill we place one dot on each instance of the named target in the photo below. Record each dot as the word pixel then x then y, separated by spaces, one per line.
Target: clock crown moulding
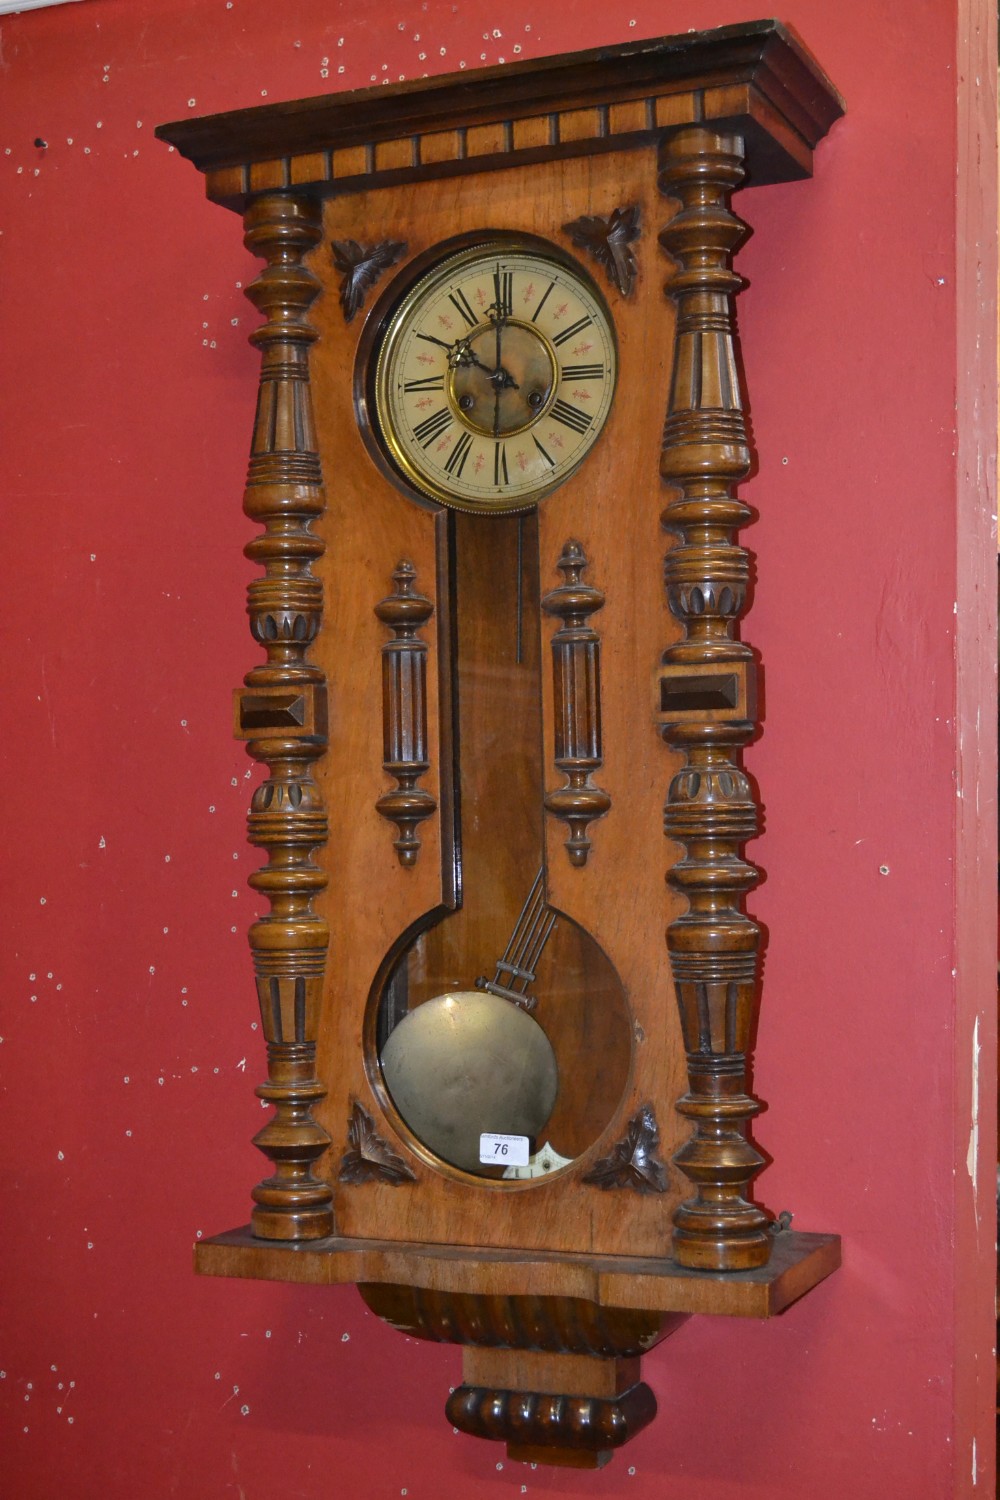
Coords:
pixel 758 78
pixel 465 461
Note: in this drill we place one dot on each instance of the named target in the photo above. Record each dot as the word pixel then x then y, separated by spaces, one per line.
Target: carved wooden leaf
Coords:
pixel 633 1162
pixel 368 1158
pixel 361 268
pixel 608 240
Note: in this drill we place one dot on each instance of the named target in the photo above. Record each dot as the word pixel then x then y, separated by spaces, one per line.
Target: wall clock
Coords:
pixel 504 1105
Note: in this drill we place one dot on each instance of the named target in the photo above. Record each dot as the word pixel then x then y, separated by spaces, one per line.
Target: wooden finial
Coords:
pixel 404 711
pixel 576 669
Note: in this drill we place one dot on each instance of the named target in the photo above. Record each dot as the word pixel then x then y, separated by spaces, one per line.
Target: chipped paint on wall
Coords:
pixel 972 1158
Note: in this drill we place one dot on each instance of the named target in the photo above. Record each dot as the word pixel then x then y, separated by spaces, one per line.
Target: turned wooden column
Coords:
pixel 707 708
pixel 281 712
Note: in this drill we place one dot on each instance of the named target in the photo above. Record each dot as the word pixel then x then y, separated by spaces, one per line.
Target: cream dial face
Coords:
pixel 495 377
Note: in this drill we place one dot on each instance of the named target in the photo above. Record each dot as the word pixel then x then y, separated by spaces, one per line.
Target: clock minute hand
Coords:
pixel 497 387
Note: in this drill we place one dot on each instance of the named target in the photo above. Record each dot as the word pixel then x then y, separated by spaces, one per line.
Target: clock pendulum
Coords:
pixel 475 1062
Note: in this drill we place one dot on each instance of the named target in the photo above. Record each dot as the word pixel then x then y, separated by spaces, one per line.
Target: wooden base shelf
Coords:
pixel 552 1342
pixel 798 1262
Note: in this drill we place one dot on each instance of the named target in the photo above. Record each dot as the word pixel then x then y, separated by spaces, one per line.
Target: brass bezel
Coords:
pixel 393 326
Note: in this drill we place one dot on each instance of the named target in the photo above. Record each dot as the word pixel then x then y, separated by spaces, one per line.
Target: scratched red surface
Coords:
pixel 130 1048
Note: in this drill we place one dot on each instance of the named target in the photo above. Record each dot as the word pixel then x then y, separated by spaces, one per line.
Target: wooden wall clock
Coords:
pixel 504 1106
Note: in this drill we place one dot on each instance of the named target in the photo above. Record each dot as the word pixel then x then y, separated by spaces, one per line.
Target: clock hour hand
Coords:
pixel 460 353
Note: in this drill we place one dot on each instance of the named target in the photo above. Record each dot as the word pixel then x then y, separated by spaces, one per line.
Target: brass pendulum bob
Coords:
pixel 473 1062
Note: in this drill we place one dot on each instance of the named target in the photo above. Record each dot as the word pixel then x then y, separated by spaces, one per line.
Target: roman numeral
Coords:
pixel 429 383
pixel 431 427
pixel 458 455
pixel 461 304
pixel 572 331
pixel 570 416
pixel 500 464
pixel 503 292
pixel 547 456
pixel 582 372
pixel 534 315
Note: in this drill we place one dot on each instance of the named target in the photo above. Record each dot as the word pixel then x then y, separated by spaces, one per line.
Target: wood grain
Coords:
pixel 625 1034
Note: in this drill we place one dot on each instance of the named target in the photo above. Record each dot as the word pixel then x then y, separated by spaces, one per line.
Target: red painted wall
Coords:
pixel 129 1045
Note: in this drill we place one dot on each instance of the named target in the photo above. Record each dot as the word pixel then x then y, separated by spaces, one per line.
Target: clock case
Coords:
pixel 636 691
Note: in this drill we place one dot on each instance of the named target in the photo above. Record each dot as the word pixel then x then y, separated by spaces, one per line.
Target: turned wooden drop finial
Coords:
pixel 576 674
pixel 404 711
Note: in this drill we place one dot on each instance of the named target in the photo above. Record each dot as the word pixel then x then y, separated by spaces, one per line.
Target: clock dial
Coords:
pixel 495 376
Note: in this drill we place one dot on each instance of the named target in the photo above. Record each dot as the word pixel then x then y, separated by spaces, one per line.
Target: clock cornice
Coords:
pixel 756 79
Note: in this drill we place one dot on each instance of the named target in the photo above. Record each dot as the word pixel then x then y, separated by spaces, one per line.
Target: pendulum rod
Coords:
pixel 519 964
